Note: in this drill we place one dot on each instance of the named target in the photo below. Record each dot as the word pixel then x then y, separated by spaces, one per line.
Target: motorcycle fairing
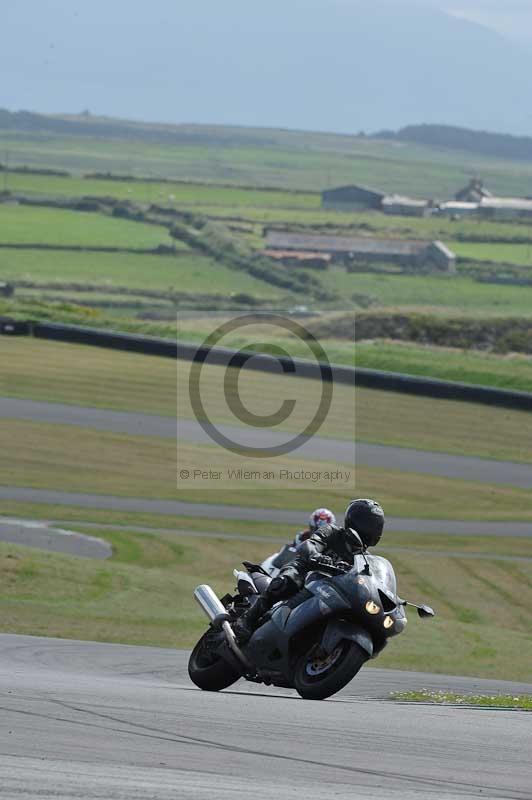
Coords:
pixel 274 636
pixel 337 630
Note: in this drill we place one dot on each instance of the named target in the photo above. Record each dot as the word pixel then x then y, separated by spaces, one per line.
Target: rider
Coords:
pixel 366 517
pixel 319 518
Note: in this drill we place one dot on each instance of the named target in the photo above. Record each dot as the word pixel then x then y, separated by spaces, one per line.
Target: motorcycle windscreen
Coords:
pixel 382 571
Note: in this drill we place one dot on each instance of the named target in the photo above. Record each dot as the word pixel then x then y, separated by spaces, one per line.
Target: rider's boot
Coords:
pixel 245 625
pixel 279 588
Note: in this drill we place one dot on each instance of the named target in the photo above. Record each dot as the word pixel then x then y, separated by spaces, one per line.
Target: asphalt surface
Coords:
pixel 45 536
pixel 343 452
pixel 264 515
pixel 111 722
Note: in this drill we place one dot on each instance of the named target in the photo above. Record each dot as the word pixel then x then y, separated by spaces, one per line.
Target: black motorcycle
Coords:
pixel 314 642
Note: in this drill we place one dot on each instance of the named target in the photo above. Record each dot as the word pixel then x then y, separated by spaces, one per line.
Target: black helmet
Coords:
pixel 366 517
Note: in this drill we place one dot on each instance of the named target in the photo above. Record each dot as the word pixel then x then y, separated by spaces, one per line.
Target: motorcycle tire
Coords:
pixel 207 670
pixel 319 682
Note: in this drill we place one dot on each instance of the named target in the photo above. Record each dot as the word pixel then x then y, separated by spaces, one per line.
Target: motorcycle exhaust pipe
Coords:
pixel 208 601
pixel 214 609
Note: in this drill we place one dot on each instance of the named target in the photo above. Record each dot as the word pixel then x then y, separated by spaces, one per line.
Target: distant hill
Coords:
pixel 327 65
pixel 499 145
pixel 448 137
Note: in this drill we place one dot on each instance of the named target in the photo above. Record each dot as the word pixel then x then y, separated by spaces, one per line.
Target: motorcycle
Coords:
pixel 314 642
pixel 273 564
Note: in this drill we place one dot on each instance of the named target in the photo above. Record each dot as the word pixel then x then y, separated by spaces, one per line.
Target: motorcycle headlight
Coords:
pixel 372 608
pixel 387 622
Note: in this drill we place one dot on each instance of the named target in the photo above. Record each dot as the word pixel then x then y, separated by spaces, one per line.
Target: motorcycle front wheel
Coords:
pixel 319 675
pixel 207 670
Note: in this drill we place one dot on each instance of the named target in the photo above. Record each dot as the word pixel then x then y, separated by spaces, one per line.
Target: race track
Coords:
pixel 110 722
pixel 264 515
pixel 44 536
pixel 341 451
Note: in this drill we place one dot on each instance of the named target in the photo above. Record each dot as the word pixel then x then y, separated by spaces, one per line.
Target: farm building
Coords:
pixel 302 258
pixel 405 206
pixel 458 208
pixel 348 250
pixel 360 198
pixel 489 208
pixel 351 198
pixel 505 208
pixel 473 192
pixel 475 199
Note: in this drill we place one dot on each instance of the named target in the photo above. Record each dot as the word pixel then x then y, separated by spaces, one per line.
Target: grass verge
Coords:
pixel 522 701
pixel 85 519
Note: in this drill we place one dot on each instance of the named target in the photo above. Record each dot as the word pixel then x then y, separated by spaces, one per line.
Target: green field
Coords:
pixel 374 223
pixel 285 159
pixel 259 206
pixel 193 273
pixel 28 225
pixel 431 292
pixel 176 193
pixel 520 254
pixel 185 272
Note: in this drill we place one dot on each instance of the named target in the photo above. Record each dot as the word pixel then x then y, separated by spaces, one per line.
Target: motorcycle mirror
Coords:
pixel 425 611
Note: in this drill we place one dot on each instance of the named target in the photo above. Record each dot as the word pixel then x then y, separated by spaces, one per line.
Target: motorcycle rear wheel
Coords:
pixel 317 679
pixel 207 670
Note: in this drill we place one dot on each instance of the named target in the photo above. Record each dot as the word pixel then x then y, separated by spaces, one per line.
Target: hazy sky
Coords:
pixel 342 65
pixel 509 17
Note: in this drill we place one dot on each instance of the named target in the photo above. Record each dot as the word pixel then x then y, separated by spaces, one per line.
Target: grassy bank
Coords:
pixel 74 459
pixel 86 519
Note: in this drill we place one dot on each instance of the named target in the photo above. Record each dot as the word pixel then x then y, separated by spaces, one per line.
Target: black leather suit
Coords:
pixel 328 540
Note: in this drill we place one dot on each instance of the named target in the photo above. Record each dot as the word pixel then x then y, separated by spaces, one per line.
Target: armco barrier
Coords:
pixel 223 356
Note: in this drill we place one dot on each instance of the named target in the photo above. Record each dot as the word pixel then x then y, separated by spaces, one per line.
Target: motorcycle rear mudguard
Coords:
pixel 337 630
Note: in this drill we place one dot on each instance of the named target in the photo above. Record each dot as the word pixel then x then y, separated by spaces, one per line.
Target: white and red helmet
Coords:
pixel 320 517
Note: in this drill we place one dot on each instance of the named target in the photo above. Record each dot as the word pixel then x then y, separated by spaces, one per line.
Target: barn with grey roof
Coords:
pixel 346 250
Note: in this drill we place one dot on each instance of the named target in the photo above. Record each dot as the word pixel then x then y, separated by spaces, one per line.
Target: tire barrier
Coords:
pixel 262 362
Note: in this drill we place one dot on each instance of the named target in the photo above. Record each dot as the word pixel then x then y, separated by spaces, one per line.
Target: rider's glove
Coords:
pixel 323 561
pixel 344 565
